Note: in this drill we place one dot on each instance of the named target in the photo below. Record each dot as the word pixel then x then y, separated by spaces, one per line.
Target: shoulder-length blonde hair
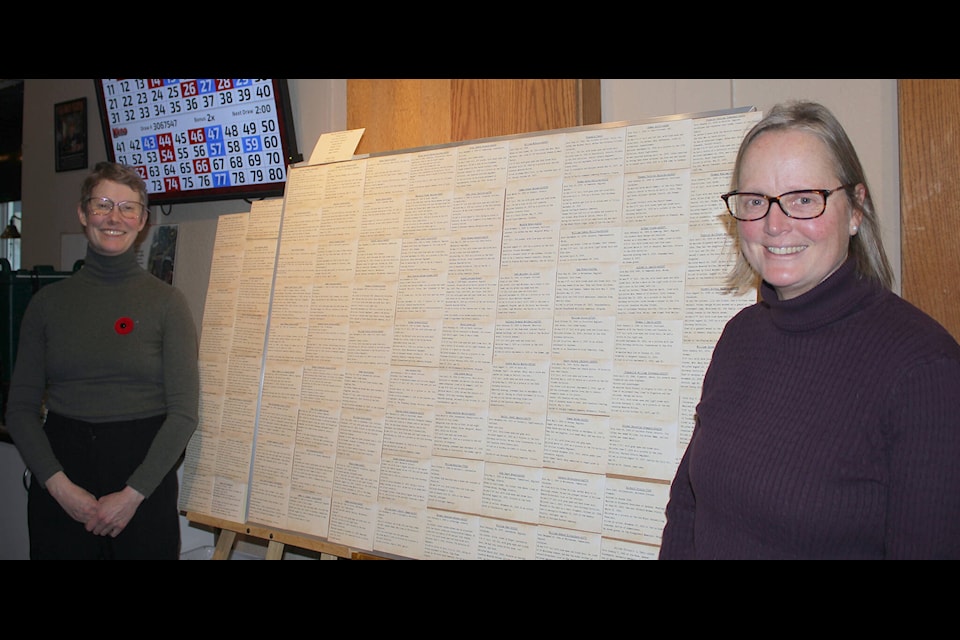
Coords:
pixel 866 246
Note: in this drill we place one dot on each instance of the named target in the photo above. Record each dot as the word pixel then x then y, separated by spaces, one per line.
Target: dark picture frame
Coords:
pixel 70 132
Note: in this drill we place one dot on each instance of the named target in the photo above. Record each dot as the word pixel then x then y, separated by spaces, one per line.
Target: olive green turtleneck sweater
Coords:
pixel 80 353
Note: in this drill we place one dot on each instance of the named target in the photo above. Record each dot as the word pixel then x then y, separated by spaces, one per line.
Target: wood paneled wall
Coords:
pixel 405 114
pixel 930 197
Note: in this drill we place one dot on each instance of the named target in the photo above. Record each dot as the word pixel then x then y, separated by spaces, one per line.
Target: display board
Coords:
pixel 489 349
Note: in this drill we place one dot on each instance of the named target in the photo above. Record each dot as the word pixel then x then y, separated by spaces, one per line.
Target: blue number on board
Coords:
pixel 215 146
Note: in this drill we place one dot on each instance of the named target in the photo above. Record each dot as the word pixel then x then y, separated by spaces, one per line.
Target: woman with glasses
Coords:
pixel 829 420
pixel 105 391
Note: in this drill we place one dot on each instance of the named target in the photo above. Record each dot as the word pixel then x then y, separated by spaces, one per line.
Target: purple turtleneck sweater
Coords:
pixel 828 428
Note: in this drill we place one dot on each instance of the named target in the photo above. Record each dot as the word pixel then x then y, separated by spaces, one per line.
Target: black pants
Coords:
pixel 100 458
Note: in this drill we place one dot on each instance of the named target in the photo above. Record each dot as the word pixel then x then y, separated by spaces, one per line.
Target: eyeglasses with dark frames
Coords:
pixel 804 204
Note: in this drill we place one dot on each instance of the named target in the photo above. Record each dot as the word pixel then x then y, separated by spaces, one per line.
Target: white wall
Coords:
pixel 867 107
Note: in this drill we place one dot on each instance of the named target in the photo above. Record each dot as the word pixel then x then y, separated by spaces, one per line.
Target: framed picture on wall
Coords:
pixel 70 133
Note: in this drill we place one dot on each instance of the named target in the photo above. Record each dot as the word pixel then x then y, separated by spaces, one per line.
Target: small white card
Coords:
pixel 337 146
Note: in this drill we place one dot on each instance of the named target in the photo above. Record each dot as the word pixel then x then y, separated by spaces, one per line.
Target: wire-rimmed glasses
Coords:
pixel 129 209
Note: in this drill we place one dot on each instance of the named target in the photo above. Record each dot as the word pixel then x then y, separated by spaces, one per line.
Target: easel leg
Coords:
pixel 274 551
pixel 224 545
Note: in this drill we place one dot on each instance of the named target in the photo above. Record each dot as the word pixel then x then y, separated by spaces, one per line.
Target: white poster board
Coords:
pixel 487 349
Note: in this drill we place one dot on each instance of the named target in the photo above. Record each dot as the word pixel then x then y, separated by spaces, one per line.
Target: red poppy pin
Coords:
pixel 123 326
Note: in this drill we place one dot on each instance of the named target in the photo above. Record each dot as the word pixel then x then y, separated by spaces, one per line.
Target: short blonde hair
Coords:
pixel 119 173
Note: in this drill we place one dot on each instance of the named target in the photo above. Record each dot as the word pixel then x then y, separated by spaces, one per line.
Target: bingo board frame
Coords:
pixel 195 140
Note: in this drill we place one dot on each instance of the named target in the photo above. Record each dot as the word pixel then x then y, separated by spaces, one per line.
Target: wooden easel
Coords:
pixel 277 539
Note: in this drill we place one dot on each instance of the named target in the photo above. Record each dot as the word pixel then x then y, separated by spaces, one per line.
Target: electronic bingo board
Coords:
pixel 200 139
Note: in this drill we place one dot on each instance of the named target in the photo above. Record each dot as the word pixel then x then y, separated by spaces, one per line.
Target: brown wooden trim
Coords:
pixel 929 112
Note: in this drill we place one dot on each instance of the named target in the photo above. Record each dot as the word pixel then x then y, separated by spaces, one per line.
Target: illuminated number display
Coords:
pixel 196 135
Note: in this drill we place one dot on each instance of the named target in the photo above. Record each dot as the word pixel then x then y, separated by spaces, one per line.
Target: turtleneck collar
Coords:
pixel 97 266
pixel 840 295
